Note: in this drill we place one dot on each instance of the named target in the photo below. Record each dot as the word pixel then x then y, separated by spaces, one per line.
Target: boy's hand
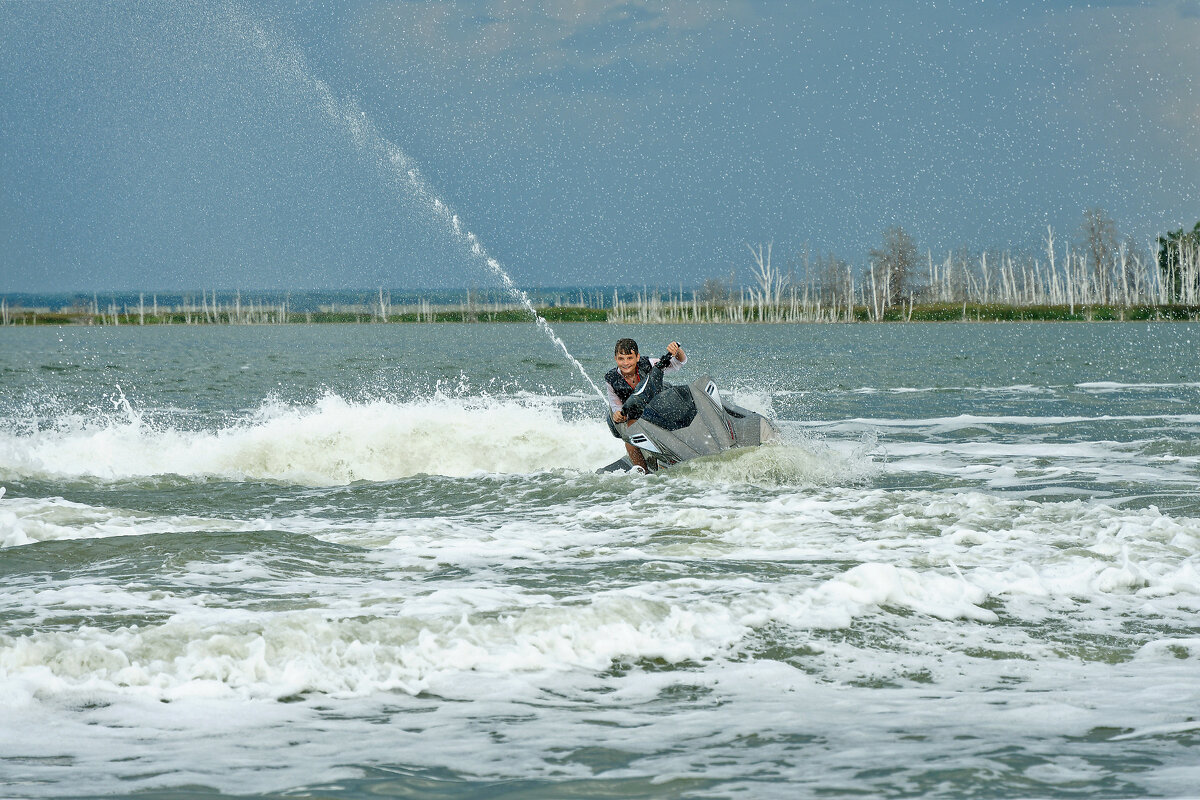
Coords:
pixel 618 416
pixel 675 350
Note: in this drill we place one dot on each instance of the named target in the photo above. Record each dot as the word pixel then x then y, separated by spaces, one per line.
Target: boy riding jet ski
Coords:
pixel 663 424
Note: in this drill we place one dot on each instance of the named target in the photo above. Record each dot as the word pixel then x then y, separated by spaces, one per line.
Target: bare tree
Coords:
pixel 831 277
pixel 771 280
pixel 714 290
pixel 1098 244
pixel 897 264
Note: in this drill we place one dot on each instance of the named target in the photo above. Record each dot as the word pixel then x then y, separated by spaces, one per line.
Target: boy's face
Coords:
pixel 627 363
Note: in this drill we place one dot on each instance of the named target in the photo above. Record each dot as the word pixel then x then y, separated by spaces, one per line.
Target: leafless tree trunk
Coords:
pixel 1099 246
pixel 897 259
pixel 771 281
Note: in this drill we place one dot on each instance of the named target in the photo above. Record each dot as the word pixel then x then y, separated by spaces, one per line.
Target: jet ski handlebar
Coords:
pixel 665 361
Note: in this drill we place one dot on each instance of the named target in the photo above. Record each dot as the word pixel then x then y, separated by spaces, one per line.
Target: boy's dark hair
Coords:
pixel 625 346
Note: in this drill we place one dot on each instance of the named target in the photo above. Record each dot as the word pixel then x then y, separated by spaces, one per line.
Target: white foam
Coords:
pixel 860 585
pixel 967 420
pixel 25 520
pixel 940 556
pixel 331 442
pixel 1021 388
pixel 760 402
pixel 1099 387
pixel 225 652
pixel 1116 386
pixel 794 461
pixel 1034 464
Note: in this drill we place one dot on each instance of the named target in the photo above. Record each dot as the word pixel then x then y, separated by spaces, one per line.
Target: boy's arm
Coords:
pixel 614 402
pixel 678 358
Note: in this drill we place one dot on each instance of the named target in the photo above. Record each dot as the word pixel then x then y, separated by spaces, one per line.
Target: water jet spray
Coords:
pixel 289 62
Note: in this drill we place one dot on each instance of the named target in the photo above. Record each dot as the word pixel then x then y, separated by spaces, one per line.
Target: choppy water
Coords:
pixel 374 561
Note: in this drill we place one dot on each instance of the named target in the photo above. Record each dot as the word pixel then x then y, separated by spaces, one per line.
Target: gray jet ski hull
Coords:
pixel 718 425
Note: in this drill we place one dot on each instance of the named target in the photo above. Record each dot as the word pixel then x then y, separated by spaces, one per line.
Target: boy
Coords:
pixel 622 382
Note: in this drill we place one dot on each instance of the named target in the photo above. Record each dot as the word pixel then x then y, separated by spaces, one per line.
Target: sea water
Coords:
pixel 375 561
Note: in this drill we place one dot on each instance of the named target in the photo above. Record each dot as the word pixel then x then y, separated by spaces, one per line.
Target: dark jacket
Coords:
pixel 617 381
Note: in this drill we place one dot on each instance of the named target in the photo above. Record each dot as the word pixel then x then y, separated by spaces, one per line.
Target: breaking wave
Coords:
pixel 333 441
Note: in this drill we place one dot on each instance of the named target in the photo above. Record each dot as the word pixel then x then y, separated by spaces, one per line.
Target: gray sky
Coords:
pixel 268 144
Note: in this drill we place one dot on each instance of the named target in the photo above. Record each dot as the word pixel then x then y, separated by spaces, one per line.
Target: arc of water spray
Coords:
pixel 366 136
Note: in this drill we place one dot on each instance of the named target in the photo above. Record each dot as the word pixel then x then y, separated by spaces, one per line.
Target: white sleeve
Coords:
pixel 675 366
pixel 614 402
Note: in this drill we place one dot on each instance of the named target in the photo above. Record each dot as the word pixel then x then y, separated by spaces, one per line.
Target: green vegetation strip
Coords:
pixel 944 312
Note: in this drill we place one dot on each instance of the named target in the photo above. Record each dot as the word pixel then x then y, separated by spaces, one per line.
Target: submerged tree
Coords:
pixel 770 279
pixel 1178 254
pixel 1098 244
pixel 714 290
pixel 833 277
pixel 897 264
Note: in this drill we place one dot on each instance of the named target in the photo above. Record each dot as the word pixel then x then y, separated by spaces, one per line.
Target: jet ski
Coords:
pixel 679 423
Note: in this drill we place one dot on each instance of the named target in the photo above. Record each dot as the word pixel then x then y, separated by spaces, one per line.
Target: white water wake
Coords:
pixel 335 441
pixel 331 442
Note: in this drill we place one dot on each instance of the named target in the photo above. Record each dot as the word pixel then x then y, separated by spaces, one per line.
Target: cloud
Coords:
pixel 505 41
pixel 1134 95
pixel 1145 62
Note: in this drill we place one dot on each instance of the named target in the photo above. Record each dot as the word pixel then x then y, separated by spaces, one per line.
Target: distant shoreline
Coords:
pixel 731 314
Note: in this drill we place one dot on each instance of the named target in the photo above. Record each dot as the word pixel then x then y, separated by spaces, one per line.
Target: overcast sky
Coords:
pixel 256 144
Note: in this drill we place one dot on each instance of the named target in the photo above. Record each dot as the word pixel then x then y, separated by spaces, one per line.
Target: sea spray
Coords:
pixel 796 460
pixel 289 62
pixel 510 287
pixel 331 442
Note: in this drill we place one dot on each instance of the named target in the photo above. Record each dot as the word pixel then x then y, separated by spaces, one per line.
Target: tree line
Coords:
pixel 1098 266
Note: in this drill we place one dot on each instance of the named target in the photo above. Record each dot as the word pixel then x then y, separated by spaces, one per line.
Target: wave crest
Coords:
pixel 333 441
